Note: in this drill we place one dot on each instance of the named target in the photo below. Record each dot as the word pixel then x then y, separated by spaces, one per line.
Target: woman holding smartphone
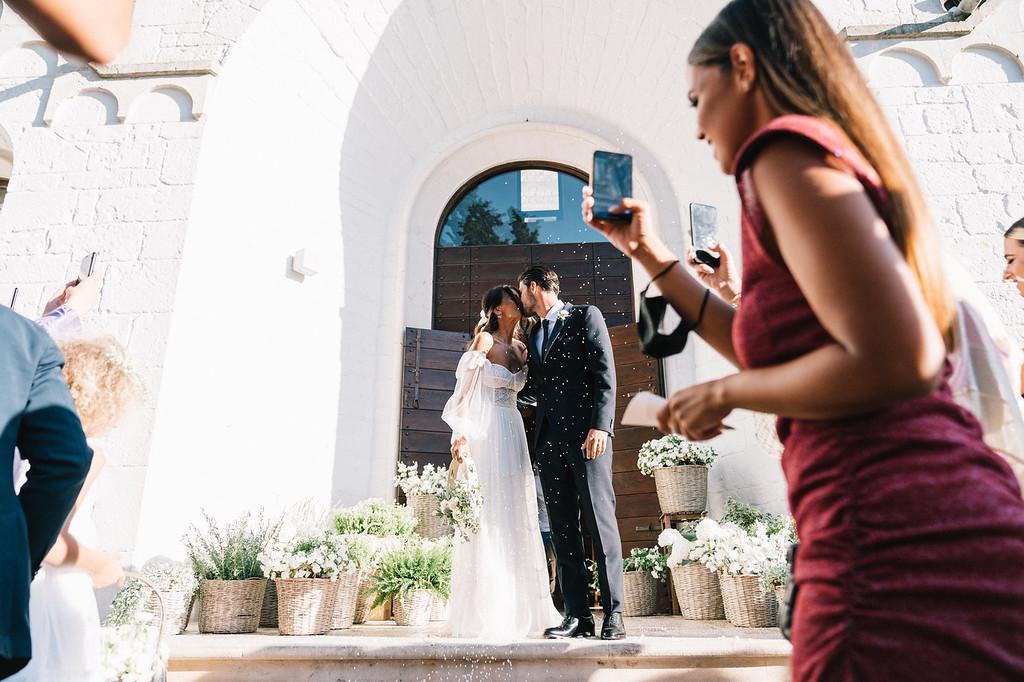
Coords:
pixel 912 557
pixel 1013 251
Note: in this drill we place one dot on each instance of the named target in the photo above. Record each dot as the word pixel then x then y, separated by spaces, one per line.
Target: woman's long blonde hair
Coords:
pixel 102 383
pixel 804 68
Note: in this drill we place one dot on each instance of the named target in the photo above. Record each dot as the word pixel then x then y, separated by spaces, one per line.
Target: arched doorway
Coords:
pixel 514 216
pixel 497 224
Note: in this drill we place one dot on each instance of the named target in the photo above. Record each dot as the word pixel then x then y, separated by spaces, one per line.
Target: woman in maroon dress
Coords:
pixel 912 557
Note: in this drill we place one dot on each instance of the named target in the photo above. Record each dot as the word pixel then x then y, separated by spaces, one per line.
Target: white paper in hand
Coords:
pixel 643 410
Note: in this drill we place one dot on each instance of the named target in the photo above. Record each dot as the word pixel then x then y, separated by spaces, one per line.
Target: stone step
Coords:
pixel 659 648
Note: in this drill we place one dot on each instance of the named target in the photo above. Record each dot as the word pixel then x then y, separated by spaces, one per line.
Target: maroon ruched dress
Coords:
pixel 911 565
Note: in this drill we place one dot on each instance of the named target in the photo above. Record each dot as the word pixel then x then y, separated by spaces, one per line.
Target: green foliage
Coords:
pixel 747 517
pixel 595 580
pixel 126 609
pixel 415 565
pixel 773 575
pixel 232 552
pixel 479 224
pixel 646 559
pixel 522 233
pixel 375 517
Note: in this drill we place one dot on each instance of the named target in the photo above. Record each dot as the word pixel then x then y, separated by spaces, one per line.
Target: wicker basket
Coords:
pixel 438 608
pixel 698 592
pixel 640 594
pixel 682 489
pixel 413 607
pixel 231 607
pixel 746 606
pixel 428 524
pixel 177 608
pixel 268 614
pixel 305 606
pixel 345 603
pixel 364 599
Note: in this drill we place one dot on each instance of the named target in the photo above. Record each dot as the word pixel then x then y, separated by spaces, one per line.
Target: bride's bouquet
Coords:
pixel 461 502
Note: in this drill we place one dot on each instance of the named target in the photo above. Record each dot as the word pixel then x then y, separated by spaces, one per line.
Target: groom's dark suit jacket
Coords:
pixel 574 384
pixel 38 416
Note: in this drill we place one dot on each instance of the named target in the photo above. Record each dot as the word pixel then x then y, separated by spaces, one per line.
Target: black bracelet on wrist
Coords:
pixel 663 272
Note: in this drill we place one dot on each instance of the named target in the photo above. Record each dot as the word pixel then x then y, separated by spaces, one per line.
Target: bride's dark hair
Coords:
pixel 489 306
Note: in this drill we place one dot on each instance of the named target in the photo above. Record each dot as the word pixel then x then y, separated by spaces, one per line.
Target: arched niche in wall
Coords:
pixel 903 68
pixel 162 105
pixel 987 64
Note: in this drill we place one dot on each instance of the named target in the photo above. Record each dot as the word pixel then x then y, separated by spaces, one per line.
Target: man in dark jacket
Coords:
pixel 572 378
pixel 37 415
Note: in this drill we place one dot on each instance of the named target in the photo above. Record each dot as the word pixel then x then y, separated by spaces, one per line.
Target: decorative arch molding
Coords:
pixel 927 67
pixel 127 93
pixel 1008 61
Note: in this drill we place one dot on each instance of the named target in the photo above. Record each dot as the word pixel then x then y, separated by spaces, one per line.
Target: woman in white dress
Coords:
pixel 62 606
pixel 500 586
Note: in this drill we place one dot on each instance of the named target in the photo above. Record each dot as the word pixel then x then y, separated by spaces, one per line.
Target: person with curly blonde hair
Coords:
pixel 63 614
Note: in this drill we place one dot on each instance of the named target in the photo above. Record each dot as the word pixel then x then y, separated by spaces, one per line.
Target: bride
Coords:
pixel 500 586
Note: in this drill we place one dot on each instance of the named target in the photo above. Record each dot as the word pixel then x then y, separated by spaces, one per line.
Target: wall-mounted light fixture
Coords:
pixel 305 263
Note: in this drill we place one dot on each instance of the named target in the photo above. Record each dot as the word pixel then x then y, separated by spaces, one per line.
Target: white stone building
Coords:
pixel 232 133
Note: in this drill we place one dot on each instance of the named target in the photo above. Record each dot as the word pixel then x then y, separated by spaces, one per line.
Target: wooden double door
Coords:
pixel 593 274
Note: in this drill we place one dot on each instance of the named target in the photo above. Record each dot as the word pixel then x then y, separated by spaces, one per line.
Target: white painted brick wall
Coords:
pixel 399 87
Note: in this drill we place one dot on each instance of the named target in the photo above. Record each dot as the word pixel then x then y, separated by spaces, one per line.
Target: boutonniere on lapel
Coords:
pixel 563 315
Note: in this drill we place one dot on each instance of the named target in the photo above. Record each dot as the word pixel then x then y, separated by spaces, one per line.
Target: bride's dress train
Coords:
pixel 500 584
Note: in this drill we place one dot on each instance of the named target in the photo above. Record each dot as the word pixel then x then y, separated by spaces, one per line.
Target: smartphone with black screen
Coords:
pixel 611 181
pixel 704 233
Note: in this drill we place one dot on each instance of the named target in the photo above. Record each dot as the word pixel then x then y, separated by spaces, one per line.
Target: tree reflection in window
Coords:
pixel 498 211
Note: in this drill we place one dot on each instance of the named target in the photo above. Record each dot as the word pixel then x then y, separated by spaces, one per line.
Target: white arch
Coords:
pixel 391 120
pixel 903 67
pixel 987 63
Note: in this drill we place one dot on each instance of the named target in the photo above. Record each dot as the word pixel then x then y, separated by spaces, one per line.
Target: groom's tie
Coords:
pixel 544 339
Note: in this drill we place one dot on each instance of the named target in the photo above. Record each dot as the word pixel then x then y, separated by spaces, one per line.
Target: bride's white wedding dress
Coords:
pixel 499 576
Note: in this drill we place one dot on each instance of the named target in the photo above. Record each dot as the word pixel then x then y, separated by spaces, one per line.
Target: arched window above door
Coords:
pixel 518 204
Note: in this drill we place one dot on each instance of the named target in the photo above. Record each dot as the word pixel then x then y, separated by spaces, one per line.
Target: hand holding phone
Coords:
pixel 611 182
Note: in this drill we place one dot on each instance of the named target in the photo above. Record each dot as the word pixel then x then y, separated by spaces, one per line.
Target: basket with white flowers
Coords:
pixel 641 571
pixel 422 494
pixel 680 471
pixel 306 572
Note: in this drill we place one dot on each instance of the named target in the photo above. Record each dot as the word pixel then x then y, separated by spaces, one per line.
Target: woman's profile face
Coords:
pixel 1013 250
pixel 510 309
pixel 724 113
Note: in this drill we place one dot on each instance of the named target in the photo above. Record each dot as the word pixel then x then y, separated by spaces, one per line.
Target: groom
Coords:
pixel 572 376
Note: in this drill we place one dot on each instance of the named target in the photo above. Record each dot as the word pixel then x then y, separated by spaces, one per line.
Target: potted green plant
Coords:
pixel 680 471
pixel 381 525
pixel 411 575
pixel 305 572
pixel 641 571
pixel 226 562
pixel 136 602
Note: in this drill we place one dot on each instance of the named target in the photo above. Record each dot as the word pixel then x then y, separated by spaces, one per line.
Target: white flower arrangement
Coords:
pixel 127 652
pixel 461 504
pixel 321 556
pixel 671 451
pixel 563 315
pixel 432 481
pixel 727 548
pixel 647 559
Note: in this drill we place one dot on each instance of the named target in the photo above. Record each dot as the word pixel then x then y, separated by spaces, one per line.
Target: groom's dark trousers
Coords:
pixel 574 386
pixel 38 416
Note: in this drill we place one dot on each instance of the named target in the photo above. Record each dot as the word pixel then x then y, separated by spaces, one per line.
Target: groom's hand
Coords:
pixel 594 446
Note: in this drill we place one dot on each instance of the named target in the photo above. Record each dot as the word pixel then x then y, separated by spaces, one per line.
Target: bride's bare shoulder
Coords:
pixel 482 342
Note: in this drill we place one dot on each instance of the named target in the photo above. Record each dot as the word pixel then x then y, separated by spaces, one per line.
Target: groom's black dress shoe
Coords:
pixel 613 627
pixel 572 627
